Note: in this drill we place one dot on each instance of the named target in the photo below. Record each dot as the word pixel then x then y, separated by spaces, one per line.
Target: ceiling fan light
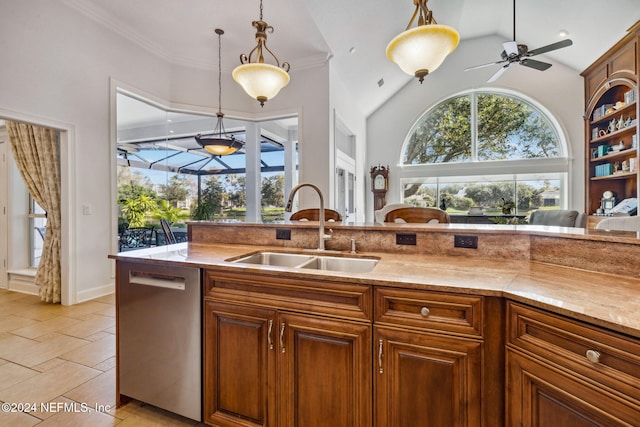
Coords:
pixel 421 50
pixel 261 81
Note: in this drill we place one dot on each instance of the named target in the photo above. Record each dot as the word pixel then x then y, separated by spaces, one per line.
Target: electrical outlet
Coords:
pixel 406 239
pixel 283 234
pixel 470 242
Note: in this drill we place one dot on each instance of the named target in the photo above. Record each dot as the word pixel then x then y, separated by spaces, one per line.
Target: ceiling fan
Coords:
pixel 519 53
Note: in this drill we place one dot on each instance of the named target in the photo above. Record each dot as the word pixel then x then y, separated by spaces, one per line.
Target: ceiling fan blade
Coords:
pixel 549 48
pixel 532 63
pixel 510 48
pixel 498 73
pixel 484 65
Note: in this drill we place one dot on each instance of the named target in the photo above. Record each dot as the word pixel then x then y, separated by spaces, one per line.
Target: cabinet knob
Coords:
pixel 424 311
pixel 593 356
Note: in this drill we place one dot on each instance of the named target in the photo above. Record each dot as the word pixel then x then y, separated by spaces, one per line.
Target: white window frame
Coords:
pixel 557 165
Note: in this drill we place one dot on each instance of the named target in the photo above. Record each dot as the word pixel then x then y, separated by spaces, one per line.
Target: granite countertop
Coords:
pixel 608 300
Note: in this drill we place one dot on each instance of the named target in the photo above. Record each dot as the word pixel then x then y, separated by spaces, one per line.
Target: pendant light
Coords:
pixel 260 80
pixel 219 143
pixel 419 51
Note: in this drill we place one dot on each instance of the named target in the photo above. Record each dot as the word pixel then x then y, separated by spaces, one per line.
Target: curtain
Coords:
pixel 36 151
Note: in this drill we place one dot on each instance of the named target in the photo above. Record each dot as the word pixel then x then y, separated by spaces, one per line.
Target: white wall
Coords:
pixel 58 65
pixel 559 89
pixel 344 108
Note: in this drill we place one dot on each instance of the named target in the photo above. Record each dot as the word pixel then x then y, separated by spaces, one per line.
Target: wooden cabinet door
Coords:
pixel 324 372
pixel 239 365
pixel 426 380
pixel 542 395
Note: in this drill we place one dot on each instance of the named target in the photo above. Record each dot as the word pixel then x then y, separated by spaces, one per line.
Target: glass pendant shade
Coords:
pixel 260 81
pixel 218 147
pixel 421 50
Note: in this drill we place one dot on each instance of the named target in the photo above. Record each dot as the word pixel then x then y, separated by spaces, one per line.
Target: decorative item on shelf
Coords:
pixel 420 51
pixel 625 166
pixel 595 132
pixel 618 105
pixel 616 168
pixel 617 147
pixel 612 125
pixel 260 80
pixel 607 202
pixel 379 186
pixel 219 144
pixel 633 164
pixel 629 122
pixel 507 206
pixel 602 132
pixel 620 124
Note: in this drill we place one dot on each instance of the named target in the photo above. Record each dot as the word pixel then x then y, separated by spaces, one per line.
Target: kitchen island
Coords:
pixel 513 314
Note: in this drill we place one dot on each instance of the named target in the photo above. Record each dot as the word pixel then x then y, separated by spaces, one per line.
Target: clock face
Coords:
pixel 378 183
pixel 607 195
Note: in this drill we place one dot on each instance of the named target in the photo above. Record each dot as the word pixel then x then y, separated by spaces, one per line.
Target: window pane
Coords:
pixel 509 128
pixel 528 192
pixel 442 135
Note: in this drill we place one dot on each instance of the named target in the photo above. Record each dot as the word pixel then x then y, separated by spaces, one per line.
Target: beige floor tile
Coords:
pixel 147 416
pixel 45 327
pixel 106 365
pixel 6 295
pixel 70 413
pixel 111 330
pixel 31 353
pixel 93 353
pixel 16 308
pixel 107 299
pixel 10 322
pixel 91 324
pixel 11 374
pixel 46 386
pixel 82 309
pixel 2 362
pixel 99 392
pixel 17 419
pixel 30 299
pixel 39 311
pixel 97 336
pixel 109 311
pixel 49 364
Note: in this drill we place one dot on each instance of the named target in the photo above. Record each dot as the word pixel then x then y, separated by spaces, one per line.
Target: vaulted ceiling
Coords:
pixel 310 32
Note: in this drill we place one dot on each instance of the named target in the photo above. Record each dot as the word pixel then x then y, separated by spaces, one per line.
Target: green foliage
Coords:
pixel 211 200
pixel 172 214
pixel 175 191
pixel 135 210
pixel 236 190
pixel 507 128
pixel 273 191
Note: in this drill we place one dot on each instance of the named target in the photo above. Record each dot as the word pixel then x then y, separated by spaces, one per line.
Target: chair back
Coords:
pixel 314 215
pixel 418 215
pixel 558 217
pixel 168 233
pixel 379 215
pixel 135 238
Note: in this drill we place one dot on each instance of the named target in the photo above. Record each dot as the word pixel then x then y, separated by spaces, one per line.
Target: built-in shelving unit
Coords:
pixel 611 124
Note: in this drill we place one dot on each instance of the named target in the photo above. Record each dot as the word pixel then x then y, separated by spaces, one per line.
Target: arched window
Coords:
pixel 483 148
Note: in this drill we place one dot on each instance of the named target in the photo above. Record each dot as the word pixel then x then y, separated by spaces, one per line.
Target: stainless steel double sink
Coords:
pixel 311 261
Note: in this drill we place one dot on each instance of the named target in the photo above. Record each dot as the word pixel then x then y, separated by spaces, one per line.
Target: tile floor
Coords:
pixel 61 359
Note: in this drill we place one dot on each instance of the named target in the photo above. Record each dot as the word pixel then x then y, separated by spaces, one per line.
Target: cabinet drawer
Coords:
pixel 451 313
pixel 603 356
pixel 333 298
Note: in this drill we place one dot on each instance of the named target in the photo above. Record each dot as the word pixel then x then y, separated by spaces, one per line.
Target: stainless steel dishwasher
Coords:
pixel 160 336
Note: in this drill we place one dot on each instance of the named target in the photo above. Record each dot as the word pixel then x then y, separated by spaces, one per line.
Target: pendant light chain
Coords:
pixel 261 10
pixel 219 32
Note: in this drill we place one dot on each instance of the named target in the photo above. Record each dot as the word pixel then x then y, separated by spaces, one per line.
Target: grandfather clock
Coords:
pixel 379 186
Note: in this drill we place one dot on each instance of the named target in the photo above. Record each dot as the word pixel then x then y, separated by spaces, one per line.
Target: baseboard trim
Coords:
pixel 97 292
pixel 22 283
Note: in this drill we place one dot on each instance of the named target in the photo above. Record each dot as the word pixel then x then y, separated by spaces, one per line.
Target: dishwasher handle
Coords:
pixel 158 281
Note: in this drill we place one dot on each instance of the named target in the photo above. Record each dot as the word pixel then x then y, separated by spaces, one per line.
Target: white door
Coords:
pixel 345 186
